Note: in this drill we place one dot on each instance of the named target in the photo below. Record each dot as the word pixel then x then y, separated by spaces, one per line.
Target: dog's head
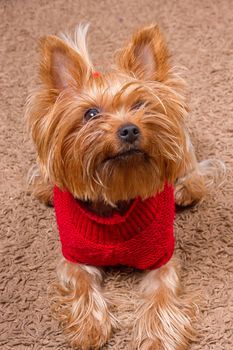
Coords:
pixel 112 135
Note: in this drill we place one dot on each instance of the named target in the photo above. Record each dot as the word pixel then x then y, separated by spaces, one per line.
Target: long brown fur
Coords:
pixel 80 306
pixel 84 157
pixel 164 318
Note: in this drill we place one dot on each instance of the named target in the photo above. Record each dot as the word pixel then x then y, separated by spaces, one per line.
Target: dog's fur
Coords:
pixel 87 158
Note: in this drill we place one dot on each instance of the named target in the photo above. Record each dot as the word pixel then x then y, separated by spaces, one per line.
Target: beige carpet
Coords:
pixel 200 34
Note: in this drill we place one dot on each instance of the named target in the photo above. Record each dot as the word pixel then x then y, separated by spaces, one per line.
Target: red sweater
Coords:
pixel 141 238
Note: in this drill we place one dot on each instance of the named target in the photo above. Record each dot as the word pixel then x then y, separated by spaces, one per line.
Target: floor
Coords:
pixel 200 38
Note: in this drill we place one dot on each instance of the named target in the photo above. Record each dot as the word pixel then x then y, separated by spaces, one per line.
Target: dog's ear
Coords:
pixel 61 66
pixel 146 57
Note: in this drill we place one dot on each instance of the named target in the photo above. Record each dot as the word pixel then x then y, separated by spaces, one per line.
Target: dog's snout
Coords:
pixel 129 133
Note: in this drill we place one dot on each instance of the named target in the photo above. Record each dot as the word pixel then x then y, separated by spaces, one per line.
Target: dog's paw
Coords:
pixel 183 197
pixel 88 323
pixel 189 190
pixel 90 332
pixel 163 325
pixel 43 192
pixel 81 307
pixel 148 344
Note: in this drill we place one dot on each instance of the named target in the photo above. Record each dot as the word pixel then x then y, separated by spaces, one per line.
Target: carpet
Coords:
pixel 199 34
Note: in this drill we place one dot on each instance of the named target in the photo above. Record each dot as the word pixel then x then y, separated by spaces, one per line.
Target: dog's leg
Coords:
pixel 190 187
pixel 81 306
pixel 41 189
pixel 163 318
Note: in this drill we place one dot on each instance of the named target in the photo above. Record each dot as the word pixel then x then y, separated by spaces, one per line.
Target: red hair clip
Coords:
pixel 96 74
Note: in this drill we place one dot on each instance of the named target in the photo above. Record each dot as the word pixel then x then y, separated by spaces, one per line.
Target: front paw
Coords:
pixel 81 306
pixel 183 197
pixel 164 324
pixel 89 331
pixel 189 190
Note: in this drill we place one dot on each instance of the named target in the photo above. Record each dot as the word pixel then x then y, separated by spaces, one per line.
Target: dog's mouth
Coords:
pixel 124 155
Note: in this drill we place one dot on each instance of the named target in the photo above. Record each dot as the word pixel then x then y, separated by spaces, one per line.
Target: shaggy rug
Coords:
pixel 199 34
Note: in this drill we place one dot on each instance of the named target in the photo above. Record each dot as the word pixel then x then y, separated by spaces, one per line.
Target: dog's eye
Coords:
pixel 137 105
pixel 91 113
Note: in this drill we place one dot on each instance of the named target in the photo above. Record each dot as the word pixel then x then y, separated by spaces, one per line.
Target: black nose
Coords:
pixel 129 133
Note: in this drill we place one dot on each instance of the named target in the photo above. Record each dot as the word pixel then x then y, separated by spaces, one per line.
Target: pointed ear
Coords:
pixel 146 56
pixel 61 66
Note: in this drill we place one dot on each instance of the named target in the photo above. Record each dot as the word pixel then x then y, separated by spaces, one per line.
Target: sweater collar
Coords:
pixel 116 218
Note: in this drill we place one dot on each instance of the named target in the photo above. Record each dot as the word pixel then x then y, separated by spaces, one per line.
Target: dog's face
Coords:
pixel 109 136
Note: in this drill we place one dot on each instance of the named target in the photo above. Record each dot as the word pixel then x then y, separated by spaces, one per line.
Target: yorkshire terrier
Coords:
pixel 114 157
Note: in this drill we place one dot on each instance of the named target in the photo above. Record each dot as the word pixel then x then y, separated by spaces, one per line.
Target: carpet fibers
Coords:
pixel 199 34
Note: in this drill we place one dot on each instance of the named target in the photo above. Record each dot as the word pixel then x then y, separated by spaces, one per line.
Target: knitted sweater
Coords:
pixel 141 238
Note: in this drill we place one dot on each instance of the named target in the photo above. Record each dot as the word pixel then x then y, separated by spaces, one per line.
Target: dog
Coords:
pixel 114 155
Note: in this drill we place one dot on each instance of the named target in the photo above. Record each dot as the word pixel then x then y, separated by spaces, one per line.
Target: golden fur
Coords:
pixel 74 155
pixel 164 318
pixel 81 307
pixel 90 160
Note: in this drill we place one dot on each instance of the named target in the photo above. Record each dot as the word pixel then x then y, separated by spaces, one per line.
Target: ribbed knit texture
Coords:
pixel 142 237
